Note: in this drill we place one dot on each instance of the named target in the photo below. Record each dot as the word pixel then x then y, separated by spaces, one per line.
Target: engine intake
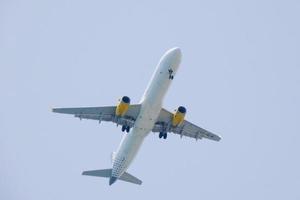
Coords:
pixel 178 116
pixel 123 106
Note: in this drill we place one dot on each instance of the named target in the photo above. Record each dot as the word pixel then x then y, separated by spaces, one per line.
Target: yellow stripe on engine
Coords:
pixel 178 118
pixel 122 109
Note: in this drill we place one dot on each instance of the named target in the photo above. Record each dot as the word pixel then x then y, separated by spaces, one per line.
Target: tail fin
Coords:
pixel 100 173
pixel 108 172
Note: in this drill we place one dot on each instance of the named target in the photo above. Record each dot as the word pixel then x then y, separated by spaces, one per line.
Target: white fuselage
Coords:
pixel 151 104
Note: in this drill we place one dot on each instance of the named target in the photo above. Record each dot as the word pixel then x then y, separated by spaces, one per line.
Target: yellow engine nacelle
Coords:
pixel 123 106
pixel 178 116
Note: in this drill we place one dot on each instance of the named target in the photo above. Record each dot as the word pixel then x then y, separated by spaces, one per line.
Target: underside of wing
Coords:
pixel 186 128
pixel 104 113
pixel 194 131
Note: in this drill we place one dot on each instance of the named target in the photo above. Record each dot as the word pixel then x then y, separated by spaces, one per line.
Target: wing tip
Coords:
pixel 84 173
pixel 218 138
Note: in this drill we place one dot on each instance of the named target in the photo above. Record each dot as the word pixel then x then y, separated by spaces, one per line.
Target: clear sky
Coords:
pixel 239 78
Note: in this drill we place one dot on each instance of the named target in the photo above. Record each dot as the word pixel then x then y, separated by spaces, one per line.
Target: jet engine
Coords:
pixel 178 116
pixel 122 106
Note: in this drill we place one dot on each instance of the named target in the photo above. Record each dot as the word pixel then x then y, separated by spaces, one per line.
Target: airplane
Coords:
pixel 138 120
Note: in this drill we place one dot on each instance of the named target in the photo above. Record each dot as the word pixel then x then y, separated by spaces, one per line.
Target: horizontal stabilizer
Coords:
pixel 129 178
pixel 100 173
pixel 107 173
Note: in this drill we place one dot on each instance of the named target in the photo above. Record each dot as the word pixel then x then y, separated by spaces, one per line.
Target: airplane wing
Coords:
pixel 186 128
pixel 104 113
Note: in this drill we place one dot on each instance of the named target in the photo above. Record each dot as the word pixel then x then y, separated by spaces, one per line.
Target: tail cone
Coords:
pixel 112 180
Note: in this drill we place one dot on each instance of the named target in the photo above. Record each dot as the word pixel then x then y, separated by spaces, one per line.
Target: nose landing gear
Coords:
pixel 171 76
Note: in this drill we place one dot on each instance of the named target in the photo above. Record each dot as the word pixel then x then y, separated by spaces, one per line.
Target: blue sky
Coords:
pixel 239 78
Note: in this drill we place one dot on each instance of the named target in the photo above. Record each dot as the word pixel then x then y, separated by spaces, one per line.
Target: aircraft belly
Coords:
pixel 132 141
pixel 127 151
pixel 151 105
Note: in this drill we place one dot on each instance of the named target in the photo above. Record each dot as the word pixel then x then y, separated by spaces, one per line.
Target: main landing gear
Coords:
pixel 163 135
pixel 125 128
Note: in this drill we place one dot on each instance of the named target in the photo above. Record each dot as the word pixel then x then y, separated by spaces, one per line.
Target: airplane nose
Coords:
pixel 112 180
pixel 174 55
pixel 171 58
pixel 175 51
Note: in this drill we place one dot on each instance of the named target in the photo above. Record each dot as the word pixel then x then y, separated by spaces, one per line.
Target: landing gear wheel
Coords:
pixel 123 128
pixel 165 136
pixel 160 135
pixel 127 129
